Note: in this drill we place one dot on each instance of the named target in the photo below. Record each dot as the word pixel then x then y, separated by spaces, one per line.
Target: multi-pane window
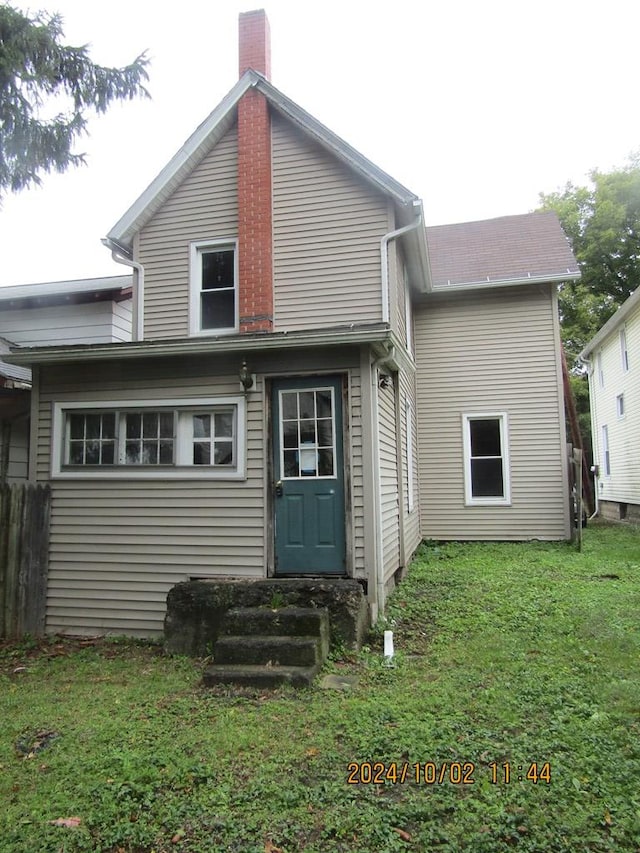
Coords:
pixel 213 437
pixel 486 459
pixel 213 288
pixel 92 439
pixel 307 433
pixel 148 438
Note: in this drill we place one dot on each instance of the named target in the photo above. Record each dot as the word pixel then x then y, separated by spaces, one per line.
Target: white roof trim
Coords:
pixel 619 317
pixel 64 288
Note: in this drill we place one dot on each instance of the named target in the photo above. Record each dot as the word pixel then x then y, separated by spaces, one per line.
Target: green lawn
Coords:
pixel 516 661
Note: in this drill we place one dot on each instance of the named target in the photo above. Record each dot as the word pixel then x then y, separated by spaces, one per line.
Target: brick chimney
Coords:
pixel 255 236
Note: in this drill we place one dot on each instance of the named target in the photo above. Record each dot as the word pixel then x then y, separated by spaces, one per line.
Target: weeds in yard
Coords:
pixel 510 658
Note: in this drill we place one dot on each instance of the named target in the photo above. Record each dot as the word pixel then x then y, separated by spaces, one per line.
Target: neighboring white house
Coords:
pixel 87 311
pixel 613 357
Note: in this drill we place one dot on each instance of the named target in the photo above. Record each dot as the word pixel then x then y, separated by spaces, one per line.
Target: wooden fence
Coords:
pixel 24 558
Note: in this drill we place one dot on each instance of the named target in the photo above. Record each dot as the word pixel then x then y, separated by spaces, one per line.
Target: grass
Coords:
pixel 511 658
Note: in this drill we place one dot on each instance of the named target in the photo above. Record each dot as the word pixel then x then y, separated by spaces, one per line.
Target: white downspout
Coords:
pixel 380 600
pixel 119 256
pixel 384 261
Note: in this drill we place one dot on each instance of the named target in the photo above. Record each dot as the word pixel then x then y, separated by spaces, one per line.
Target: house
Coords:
pixel 613 361
pixel 315 382
pixel 71 312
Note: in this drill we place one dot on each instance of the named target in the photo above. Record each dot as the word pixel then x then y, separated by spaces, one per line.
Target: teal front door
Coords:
pixel 308 466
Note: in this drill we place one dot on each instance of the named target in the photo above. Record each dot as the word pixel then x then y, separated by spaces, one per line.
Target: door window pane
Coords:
pixel 307 433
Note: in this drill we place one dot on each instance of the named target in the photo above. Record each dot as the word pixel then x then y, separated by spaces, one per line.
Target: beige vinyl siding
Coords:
pixel 204 206
pixel 491 352
pixel 623 485
pixel 117 547
pixel 81 323
pixel 327 226
pixel 389 497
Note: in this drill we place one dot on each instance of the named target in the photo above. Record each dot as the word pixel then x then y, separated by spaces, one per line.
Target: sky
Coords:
pixel 476 107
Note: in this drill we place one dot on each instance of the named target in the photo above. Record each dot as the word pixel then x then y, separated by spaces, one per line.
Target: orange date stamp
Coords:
pixel 446 772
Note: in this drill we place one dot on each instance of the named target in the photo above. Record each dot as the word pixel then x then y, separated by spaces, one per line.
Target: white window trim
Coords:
pixel 161 472
pixel 620 411
pixel 408 411
pixel 469 499
pixel 196 249
pixel 624 352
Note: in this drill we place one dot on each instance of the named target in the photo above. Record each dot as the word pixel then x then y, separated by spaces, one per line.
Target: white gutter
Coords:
pixel 198 345
pixel 384 261
pixel 379 563
pixel 119 255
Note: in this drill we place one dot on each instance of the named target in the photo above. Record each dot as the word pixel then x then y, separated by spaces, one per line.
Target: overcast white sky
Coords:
pixel 474 106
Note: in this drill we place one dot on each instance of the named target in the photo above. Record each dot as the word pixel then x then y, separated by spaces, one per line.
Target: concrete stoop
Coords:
pixel 266 647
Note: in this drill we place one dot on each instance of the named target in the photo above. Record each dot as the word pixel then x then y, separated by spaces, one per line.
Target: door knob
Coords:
pixel 278 489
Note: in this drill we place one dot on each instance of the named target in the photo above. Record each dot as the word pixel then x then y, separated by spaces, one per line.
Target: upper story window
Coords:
pixel 486 457
pixel 214 287
pixel 606 455
pixel 600 369
pixel 624 354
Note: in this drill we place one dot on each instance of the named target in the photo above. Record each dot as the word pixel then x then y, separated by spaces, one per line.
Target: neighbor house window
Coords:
pixel 214 296
pixel 606 456
pixel 486 459
pixel 600 369
pixel 620 405
pixel 186 438
pixel 624 354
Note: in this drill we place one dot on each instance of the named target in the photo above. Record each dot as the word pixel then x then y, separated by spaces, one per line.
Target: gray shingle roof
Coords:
pixel 510 248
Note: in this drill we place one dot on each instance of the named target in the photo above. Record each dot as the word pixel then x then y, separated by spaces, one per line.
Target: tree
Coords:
pixel 602 223
pixel 38 74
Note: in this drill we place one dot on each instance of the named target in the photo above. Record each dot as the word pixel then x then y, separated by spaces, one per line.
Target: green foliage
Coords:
pixel 603 224
pixel 38 73
pixel 506 654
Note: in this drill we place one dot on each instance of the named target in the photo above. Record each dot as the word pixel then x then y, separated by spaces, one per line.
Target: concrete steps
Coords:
pixel 267 647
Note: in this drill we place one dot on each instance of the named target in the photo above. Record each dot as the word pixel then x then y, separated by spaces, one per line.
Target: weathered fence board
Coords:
pixel 24 557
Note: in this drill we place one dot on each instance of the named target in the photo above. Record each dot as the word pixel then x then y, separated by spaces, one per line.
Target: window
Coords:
pixel 186 438
pixel 620 405
pixel 606 457
pixel 308 434
pixel 408 409
pixel 486 459
pixel 623 350
pixel 600 369
pixel 214 277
